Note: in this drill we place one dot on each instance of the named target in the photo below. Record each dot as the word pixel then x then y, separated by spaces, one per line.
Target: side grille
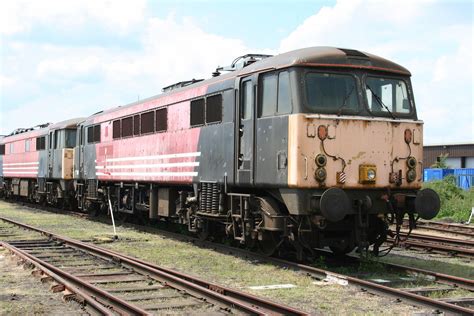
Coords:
pixel 41 185
pixel 92 189
pixel 209 197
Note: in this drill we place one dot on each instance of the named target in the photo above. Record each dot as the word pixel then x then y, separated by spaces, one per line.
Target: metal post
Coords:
pixel 112 213
pixel 470 217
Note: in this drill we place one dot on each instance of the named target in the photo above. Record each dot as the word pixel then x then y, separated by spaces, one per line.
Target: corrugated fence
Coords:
pixel 464 176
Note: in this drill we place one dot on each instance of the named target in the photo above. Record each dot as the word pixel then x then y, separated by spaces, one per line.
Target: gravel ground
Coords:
pixel 308 295
pixel 23 294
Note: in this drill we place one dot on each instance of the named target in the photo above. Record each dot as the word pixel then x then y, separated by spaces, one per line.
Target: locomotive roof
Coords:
pixel 312 57
pixel 327 57
pixel 71 123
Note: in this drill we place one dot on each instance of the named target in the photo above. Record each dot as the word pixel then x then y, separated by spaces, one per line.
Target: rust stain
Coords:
pixel 372 141
pixel 359 155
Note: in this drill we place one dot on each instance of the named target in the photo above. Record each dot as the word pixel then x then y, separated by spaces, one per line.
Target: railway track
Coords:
pixel 451 246
pixel 457 229
pixel 111 283
pixel 399 286
pixel 433 283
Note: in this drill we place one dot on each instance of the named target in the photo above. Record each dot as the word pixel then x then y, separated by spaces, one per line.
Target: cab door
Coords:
pixel 81 151
pixel 245 132
pixel 50 154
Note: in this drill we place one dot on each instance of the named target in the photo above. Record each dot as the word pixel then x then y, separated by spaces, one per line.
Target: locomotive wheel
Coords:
pixel 251 244
pixel 341 250
pixel 203 233
pixel 269 244
pixel 93 210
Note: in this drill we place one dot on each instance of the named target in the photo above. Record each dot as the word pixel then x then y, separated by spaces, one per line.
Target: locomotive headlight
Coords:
pixel 411 175
pixel 367 173
pixel 371 174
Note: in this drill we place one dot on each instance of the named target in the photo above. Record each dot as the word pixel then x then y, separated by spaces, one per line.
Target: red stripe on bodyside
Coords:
pixel 178 139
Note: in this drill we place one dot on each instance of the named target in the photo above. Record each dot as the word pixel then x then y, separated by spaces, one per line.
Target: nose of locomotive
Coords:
pixel 427 203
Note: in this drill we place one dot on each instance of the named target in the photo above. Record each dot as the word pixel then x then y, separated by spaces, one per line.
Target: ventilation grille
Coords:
pixel 209 199
pixel 92 189
pixel 41 185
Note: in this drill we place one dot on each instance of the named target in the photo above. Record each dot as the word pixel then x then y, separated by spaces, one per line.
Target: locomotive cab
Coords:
pixel 337 142
pixel 55 179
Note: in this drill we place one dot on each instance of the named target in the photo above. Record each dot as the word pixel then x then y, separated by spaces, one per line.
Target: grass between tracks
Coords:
pixel 228 270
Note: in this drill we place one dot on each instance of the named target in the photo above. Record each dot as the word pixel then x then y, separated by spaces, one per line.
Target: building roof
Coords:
pixel 450 144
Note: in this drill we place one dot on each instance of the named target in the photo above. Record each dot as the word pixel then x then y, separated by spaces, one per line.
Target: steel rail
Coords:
pixel 245 302
pixel 467 284
pixel 468 252
pixel 464 227
pixel 440 239
pixel 374 287
pixel 457 229
pixel 367 285
pixel 464 283
pixel 447 230
pixel 94 296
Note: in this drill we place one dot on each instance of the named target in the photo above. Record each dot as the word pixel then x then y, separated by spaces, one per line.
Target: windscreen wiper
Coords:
pixel 339 110
pixel 380 102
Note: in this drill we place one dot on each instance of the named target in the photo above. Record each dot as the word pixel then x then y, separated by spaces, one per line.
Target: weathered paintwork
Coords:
pixel 21 163
pixel 276 151
pixel 257 159
pixel 60 159
pixel 357 140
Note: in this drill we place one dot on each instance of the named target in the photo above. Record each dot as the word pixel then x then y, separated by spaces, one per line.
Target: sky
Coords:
pixel 63 59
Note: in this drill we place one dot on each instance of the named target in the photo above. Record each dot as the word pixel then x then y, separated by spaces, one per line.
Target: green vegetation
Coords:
pixel 441 162
pixel 456 203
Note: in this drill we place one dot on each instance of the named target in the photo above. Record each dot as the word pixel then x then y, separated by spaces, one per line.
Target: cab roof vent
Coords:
pixel 353 53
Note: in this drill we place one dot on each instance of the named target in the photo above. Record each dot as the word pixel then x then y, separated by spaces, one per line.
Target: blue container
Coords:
pixel 464 177
pixel 436 174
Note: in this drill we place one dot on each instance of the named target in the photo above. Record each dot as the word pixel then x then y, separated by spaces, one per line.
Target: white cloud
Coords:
pixel 57 82
pixel 5 82
pixel 59 77
pixel 375 26
pixel 438 54
pixel 67 67
pixel 118 15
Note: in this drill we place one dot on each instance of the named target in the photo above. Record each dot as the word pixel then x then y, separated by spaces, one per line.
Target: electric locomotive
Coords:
pixel 318 147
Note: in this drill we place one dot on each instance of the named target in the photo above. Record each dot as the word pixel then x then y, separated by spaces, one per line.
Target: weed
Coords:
pixel 456 203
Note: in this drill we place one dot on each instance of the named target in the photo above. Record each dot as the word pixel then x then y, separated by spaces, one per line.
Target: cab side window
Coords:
pixel 268 95
pixel 247 100
pixel 284 96
pixel 275 94
pixel 41 143
pixel 93 134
